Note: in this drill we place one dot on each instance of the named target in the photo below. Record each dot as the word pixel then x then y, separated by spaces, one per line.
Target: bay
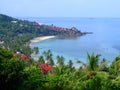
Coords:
pixel 104 40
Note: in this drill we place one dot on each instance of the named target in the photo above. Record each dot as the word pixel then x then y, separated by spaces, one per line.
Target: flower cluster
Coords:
pixel 18 56
pixel 45 68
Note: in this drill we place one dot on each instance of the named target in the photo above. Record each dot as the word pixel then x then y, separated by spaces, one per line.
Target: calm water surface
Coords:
pixel 104 40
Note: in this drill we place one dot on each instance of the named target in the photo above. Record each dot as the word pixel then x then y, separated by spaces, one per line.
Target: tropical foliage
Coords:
pixel 18 71
pixel 37 75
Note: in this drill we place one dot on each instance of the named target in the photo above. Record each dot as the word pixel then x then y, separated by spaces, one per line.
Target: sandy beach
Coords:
pixel 42 38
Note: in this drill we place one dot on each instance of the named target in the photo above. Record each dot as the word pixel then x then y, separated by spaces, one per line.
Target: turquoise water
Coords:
pixel 104 40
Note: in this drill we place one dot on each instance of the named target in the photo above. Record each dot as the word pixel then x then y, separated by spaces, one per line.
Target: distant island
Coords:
pixel 16 34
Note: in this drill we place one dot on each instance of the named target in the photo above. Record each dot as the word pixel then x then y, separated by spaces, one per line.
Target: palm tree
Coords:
pixel 50 60
pixel 84 65
pixel 103 65
pixel 36 50
pixel 49 57
pixel 93 63
pixel 44 54
pixel 115 66
pixel 41 60
pixel 89 69
pixel 60 61
pixel 70 64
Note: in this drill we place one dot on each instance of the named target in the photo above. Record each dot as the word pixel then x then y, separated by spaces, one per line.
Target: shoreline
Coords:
pixel 42 38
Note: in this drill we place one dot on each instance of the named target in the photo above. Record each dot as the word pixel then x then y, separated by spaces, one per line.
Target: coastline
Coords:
pixel 39 39
pixel 42 38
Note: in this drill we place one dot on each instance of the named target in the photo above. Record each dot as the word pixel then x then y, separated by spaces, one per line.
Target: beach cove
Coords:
pixel 42 38
pixel 100 42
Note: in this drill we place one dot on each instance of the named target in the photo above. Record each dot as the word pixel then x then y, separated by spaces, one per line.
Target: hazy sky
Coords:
pixel 61 8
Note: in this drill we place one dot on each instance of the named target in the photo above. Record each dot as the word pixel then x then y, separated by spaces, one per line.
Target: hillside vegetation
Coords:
pixel 16 34
pixel 19 74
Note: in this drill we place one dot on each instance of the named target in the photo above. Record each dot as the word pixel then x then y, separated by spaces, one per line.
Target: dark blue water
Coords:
pixel 104 40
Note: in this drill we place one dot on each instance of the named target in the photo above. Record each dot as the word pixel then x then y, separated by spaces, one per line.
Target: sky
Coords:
pixel 60 8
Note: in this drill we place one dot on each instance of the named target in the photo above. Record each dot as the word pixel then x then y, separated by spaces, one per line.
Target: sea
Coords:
pixel 105 39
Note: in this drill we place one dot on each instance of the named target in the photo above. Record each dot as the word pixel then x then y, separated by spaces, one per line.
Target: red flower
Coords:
pixel 46 68
pixel 21 57
pixel 24 57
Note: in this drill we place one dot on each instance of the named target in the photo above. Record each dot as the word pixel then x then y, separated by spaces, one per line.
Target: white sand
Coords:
pixel 39 39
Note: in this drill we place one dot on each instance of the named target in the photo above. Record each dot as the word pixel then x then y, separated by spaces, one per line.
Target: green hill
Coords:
pixel 16 27
pixel 16 33
pixel 5 18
